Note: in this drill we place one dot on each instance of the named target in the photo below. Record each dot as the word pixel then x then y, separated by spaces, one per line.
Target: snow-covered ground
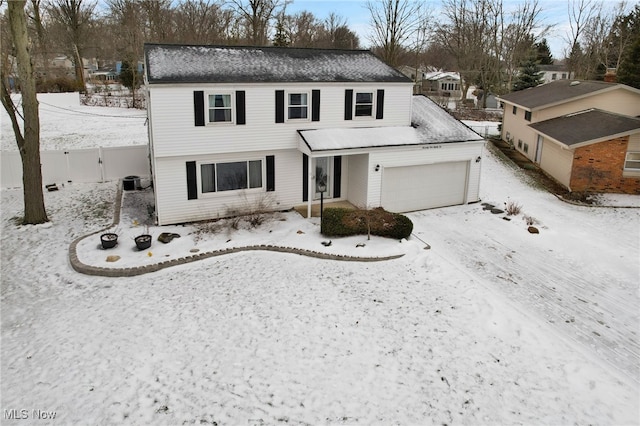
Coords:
pixel 79 126
pixel 492 325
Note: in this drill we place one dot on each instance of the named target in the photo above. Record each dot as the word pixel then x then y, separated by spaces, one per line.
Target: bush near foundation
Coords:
pixel 341 222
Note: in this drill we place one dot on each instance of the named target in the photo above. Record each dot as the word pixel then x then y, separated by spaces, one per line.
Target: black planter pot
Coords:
pixel 109 240
pixel 143 241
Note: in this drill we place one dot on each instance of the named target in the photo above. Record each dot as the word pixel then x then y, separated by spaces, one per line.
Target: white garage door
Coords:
pixel 410 188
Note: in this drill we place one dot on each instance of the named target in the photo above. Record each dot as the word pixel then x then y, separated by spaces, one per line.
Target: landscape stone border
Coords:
pixel 139 270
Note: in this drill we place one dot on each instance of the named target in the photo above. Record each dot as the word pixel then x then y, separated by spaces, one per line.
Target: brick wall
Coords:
pixel 598 168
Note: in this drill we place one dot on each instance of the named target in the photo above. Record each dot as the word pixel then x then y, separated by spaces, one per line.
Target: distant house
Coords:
pixel 551 73
pixel 233 126
pixel 447 84
pixel 584 134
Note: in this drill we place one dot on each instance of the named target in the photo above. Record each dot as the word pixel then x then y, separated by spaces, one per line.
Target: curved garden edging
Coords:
pixel 83 268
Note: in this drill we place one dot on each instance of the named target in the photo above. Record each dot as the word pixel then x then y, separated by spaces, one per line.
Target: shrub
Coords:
pixel 513 208
pixel 341 222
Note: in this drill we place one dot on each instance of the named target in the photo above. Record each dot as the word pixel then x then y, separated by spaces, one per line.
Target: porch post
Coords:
pixel 310 183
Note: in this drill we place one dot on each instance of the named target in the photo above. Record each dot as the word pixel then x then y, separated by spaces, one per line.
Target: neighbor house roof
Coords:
pixel 587 127
pixel 439 75
pixel 168 63
pixel 557 92
pixel 430 124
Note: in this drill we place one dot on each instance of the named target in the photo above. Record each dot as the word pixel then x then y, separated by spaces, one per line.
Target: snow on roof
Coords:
pixel 439 75
pixel 231 64
pixel 430 125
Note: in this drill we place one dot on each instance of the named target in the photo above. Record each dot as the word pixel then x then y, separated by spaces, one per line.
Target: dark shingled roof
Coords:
pixel 554 92
pixel 586 126
pixel 231 64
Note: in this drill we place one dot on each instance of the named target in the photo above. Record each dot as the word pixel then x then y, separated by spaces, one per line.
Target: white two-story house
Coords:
pixel 232 126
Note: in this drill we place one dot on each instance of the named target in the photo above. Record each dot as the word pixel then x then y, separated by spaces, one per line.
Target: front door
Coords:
pixel 323 173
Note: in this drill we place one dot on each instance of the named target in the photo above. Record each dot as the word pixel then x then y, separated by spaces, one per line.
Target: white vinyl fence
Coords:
pixel 79 165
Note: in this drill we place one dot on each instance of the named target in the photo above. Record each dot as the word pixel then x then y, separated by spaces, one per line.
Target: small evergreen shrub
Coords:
pixel 341 222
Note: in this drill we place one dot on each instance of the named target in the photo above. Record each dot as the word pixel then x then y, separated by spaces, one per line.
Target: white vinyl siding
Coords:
pixel 357 178
pixel 174 133
pixel 172 205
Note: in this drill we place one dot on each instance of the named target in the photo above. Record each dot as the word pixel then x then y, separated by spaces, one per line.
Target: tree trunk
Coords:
pixel 29 145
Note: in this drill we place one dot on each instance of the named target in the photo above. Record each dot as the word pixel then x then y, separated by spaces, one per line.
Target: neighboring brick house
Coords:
pixel 584 134
pixel 233 127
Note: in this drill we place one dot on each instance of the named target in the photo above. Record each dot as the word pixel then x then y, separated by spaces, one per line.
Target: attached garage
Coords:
pixel 426 186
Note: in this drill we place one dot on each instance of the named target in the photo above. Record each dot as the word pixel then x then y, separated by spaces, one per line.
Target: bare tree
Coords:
pixel 75 16
pixel 336 34
pixel 580 12
pixel 257 15
pixel 201 21
pixel 129 18
pixel 394 23
pixel 520 36
pixel 29 142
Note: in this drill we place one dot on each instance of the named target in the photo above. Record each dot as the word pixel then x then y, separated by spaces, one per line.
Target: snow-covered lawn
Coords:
pixel 492 325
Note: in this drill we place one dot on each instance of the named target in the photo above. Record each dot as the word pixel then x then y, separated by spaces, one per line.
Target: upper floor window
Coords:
pixel 632 161
pixel 364 104
pixel 515 109
pixel 298 107
pixel 527 115
pixel 220 108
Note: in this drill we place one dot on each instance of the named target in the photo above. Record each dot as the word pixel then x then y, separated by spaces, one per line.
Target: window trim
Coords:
pixel 287 105
pixel 373 94
pixel 627 160
pixel 234 192
pixel 208 109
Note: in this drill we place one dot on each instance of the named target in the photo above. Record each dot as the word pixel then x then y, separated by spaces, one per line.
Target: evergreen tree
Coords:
pixel 281 39
pixel 543 53
pixel 629 70
pixel 529 76
pixel 129 76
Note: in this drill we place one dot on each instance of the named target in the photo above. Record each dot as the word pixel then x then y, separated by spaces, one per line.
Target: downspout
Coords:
pixel 309 186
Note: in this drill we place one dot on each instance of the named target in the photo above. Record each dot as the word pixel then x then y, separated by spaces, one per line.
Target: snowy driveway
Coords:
pixel 580 274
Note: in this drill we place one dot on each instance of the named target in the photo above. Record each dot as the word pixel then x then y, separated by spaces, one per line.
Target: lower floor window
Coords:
pixel 231 176
pixel 632 161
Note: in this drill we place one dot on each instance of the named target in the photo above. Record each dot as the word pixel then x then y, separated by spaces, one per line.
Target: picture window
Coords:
pixel 219 177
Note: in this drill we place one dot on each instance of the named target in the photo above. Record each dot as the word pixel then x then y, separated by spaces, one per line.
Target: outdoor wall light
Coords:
pixel 377 167
pixel 478 159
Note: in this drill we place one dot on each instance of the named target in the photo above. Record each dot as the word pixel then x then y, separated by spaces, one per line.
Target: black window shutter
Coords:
pixel 279 106
pixel 198 107
pixel 192 181
pixel 380 104
pixel 271 173
pixel 240 110
pixel 348 104
pixel 337 176
pixel 305 177
pixel 315 105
